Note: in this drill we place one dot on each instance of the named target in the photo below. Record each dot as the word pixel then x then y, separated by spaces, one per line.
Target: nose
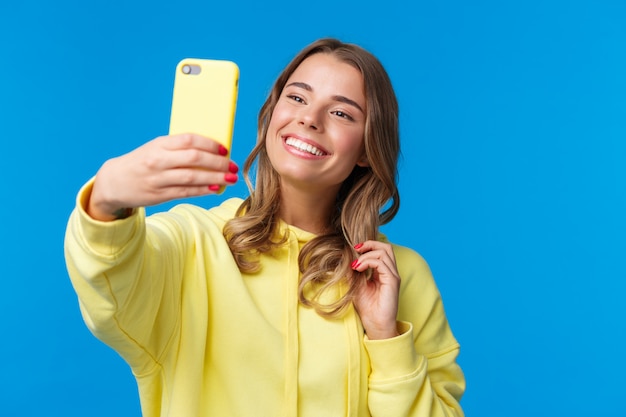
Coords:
pixel 310 118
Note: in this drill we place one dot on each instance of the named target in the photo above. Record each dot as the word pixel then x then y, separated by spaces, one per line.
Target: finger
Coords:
pixel 371 245
pixel 189 177
pixel 194 141
pixel 174 192
pixel 157 158
pixel 380 264
pixel 379 254
pixel 196 158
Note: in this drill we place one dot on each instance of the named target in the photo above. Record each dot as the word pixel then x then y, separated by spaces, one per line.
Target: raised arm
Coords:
pixel 164 169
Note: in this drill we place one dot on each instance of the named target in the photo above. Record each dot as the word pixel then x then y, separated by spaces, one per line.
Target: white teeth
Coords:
pixel 302 146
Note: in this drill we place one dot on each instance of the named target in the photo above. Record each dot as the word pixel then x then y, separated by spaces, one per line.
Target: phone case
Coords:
pixel 205 98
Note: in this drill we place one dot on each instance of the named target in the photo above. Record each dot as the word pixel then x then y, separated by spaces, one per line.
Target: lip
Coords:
pixel 296 151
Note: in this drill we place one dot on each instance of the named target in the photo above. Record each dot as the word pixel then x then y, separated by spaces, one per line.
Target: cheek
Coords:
pixel 352 143
pixel 272 140
pixel 279 115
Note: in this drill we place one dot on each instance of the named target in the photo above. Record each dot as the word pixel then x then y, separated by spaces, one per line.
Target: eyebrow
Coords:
pixel 339 98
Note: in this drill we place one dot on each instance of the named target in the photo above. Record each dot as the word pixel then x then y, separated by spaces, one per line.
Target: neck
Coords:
pixel 307 210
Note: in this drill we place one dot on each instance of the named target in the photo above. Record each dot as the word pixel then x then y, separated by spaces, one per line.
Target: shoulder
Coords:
pixel 227 209
pixel 413 269
pixel 409 257
pixel 220 213
pixel 408 260
pixel 421 304
pixel 190 218
pixel 417 281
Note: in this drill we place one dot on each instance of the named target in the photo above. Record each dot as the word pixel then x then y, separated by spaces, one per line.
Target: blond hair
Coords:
pixel 367 199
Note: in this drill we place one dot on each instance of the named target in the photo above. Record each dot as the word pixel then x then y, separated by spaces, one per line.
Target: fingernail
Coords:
pixel 358 246
pixel 230 177
pixel 354 264
pixel 214 187
pixel 223 151
pixel 232 167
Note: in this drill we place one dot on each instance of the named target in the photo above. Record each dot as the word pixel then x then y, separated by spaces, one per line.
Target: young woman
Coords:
pixel 289 303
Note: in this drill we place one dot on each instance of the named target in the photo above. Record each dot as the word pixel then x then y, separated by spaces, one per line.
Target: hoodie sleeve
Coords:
pixel 127 281
pixel 416 373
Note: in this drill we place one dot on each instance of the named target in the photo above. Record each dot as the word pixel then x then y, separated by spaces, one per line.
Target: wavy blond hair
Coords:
pixel 367 199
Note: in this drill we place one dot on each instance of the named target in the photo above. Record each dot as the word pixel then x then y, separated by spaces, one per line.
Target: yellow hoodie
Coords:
pixel 203 339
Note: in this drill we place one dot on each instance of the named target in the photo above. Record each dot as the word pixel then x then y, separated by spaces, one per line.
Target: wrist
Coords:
pixel 104 212
pixel 106 215
pixel 383 333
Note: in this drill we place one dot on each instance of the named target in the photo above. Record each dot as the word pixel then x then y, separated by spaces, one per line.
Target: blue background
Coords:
pixel 513 122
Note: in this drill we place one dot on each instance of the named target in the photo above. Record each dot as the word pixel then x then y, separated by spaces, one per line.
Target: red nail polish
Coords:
pixel 214 187
pixel 232 167
pixel 354 264
pixel 358 246
pixel 223 151
pixel 231 178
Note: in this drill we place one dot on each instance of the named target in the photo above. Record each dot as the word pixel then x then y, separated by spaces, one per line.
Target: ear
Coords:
pixel 363 162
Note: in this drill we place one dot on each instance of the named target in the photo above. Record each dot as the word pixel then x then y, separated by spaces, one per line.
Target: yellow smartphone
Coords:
pixel 205 98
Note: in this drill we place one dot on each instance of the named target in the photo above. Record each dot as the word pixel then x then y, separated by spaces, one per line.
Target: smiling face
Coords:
pixel 315 135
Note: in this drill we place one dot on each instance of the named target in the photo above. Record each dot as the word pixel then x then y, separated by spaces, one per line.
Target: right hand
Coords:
pixel 164 169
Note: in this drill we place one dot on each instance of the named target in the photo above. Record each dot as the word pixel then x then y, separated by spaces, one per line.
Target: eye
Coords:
pixel 295 98
pixel 343 115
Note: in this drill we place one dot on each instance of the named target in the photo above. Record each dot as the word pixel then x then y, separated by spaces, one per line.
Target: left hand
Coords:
pixel 377 301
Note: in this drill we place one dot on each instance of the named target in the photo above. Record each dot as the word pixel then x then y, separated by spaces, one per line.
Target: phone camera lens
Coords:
pixel 186 69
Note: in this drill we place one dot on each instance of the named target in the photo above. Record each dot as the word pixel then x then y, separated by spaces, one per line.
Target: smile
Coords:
pixel 304 147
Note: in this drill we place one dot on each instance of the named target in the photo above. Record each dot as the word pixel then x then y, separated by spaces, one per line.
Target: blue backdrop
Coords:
pixel 513 122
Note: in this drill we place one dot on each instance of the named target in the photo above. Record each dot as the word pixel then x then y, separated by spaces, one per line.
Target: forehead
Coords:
pixel 326 73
